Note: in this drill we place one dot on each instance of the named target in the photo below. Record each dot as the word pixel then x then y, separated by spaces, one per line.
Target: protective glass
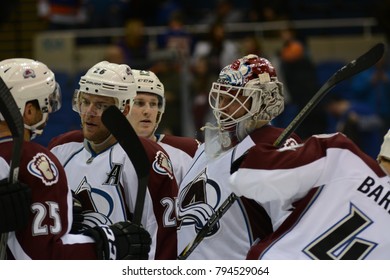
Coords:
pixel 55 99
pixel 83 104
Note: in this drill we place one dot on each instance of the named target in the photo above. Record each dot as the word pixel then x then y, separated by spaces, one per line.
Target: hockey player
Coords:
pixel 245 98
pixel 339 198
pixel 46 235
pixel 100 173
pixel 145 115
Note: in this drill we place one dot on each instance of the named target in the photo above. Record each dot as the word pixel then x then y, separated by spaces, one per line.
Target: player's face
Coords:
pixel 233 107
pixel 143 114
pixel 91 109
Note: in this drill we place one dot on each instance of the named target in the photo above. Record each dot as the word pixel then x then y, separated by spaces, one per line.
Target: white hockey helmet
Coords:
pixel 148 82
pixel 254 78
pixel 30 80
pixel 385 148
pixel 108 79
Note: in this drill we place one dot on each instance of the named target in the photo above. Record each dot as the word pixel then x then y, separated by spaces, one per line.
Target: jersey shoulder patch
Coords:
pixel 42 167
pixel 162 164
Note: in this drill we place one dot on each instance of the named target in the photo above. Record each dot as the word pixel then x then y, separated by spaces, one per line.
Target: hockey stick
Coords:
pixel 124 133
pixel 11 113
pixel 354 67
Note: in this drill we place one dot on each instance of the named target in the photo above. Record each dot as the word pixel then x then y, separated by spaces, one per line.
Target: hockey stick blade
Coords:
pixel 11 114
pixel 124 133
pixel 354 67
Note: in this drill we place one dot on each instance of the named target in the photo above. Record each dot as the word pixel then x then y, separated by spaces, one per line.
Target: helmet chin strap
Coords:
pixel 158 120
pixel 152 135
pixel 37 128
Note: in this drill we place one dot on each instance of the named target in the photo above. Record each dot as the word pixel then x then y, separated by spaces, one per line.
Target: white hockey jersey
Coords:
pixel 339 198
pixel 205 187
pixel 107 185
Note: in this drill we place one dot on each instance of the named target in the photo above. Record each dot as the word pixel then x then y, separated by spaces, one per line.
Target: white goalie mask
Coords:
pixel 30 80
pixel 250 82
pixel 246 95
pixel 107 79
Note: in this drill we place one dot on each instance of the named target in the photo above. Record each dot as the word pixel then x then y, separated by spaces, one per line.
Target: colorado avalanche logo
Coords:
pixel 235 75
pixel 98 205
pixel 43 168
pixel 29 73
pixel 162 164
pixel 197 202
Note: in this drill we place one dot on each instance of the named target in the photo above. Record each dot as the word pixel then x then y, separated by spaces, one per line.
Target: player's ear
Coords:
pixel 126 110
pixel 29 113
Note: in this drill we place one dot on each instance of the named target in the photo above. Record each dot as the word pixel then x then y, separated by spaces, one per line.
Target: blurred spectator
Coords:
pixel 356 120
pixel 166 61
pixel 300 81
pixel 250 45
pixel 166 9
pixel 195 10
pixel 176 38
pixel 134 45
pixel 365 116
pixel 168 69
pixel 170 64
pixel 201 81
pixel 63 14
pixel 372 87
pixel 219 50
pixel 268 10
pixel 224 11
pixel 106 13
pixel 114 54
pixel 292 49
